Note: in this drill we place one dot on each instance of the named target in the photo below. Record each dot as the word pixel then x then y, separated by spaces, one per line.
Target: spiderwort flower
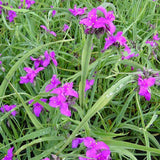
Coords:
pixel 31 74
pixel 28 3
pixel 37 106
pixel 62 99
pixel 48 30
pixel 37 61
pixel 46 158
pixel 77 11
pixel 7 108
pixel 95 150
pixel 54 83
pixel 89 83
pixel 65 27
pixel 96 24
pixel 48 58
pixel 53 12
pixel 11 15
pixel 153 43
pixel 9 155
pixel 130 56
pixel 112 40
pixel 1 7
pixel 144 85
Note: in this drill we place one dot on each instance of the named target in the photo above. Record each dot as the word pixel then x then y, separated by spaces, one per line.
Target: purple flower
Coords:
pixel 37 61
pixel 62 100
pixel 89 83
pixel 46 158
pixel 11 15
pixel 130 56
pixel 95 150
pixel 9 155
pixel 65 27
pixel 156 38
pixel 31 74
pixel 99 25
pixel 69 91
pixel 53 33
pixel 53 13
pixel 144 85
pixel 153 42
pixel 48 30
pixel 1 7
pixel 54 83
pixel 76 142
pixel 0 61
pixel 77 11
pixel 7 108
pixel 48 58
pixel 45 28
pixel 28 3
pixel 59 102
pixel 37 106
pixel 111 40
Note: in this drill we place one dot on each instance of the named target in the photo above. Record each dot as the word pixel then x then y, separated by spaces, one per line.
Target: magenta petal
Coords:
pixel 89 142
pixel 24 80
pixel 53 33
pixel 91 153
pixel 102 145
pixel 64 109
pixel 89 84
pixel 144 92
pixel 44 27
pixel 28 70
pixel 53 101
pixel 46 158
pixel 37 110
pixel 9 155
pixel 151 81
pixel 53 13
pixel 76 142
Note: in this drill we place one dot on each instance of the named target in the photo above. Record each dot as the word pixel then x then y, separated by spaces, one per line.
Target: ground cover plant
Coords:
pixel 79 79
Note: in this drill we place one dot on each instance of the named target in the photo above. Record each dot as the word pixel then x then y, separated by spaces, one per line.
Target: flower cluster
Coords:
pixel 45 60
pixel 37 106
pixel 11 14
pixel 146 79
pixel 31 74
pixel 9 155
pixel 28 3
pixel 77 11
pixel 48 30
pixel 96 24
pixel 7 108
pixel 95 150
pixel 98 21
pixel 64 96
pixel 153 43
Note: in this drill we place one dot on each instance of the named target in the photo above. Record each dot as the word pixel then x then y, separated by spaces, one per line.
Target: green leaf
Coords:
pixel 101 102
